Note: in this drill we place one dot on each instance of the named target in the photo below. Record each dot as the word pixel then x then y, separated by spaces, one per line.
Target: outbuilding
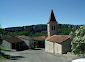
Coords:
pixel 39 42
pixel 28 41
pixel 13 43
pixel 58 44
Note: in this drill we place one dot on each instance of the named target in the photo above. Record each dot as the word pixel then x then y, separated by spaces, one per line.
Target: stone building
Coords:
pixel 29 41
pixel 18 43
pixel 13 43
pixel 56 43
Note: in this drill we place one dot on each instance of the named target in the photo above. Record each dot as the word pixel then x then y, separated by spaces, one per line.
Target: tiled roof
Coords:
pixel 58 38
pixel 11 39
pixel 25 37
pixel 41 38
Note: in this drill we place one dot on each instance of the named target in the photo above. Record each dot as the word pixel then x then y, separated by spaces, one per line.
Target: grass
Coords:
pixel 2 57
pixel 6 50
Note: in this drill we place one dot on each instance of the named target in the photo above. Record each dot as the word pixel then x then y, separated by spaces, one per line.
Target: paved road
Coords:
pixel 39 56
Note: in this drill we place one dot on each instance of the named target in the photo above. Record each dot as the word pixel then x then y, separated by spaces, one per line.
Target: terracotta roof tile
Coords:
pixel 58 38
pixel 41 38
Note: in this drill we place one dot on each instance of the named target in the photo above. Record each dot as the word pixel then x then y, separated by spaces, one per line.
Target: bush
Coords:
pixel 78 42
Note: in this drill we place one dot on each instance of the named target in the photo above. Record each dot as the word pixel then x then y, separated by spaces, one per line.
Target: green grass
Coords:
pixel 6 50
pixel 2 57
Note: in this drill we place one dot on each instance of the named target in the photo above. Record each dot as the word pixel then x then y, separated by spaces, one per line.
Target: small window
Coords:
pixel 52 27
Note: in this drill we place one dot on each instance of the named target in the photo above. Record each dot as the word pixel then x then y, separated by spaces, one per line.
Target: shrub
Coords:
pixel 78 42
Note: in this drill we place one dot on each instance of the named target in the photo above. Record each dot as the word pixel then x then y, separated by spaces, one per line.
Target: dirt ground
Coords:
pixel 39 55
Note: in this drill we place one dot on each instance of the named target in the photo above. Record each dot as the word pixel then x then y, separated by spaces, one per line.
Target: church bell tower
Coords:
pixel 52 25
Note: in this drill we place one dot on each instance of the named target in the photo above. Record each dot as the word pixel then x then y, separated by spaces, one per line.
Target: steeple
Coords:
pixel 52 18
pixel 52 25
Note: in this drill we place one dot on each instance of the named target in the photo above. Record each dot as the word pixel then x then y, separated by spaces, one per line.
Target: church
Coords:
pixel 57 44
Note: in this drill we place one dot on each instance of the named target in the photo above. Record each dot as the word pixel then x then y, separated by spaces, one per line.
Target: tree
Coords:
pixel 0 43
pixel 64 31
pixel 1 33
pixel 78 42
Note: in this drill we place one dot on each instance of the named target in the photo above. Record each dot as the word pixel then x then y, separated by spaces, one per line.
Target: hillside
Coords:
pixel 39 30
pixel 39 27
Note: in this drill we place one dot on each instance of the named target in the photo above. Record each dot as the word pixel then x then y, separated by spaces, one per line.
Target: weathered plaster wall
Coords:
pixel 66 46
pixel 58 48
pixel 53 47
pixel 6 44
pixel 48 46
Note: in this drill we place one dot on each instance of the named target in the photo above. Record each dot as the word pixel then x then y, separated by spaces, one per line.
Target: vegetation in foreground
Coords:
pixel 78 42
pixel 2 57
pixel 6 50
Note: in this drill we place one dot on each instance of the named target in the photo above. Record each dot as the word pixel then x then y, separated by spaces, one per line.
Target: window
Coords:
pixel 52 27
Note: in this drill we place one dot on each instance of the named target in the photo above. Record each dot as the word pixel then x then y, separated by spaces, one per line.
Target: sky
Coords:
pixel 14 13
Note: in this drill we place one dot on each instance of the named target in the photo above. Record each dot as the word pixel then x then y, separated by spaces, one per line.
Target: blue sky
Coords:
pixel 31 12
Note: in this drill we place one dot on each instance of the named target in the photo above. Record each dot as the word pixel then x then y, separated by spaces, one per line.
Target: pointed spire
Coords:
pixel 52 17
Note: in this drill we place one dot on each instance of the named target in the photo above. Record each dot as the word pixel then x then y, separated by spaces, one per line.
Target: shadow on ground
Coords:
pixel 37 49
pixel 10 56
pixel 15 57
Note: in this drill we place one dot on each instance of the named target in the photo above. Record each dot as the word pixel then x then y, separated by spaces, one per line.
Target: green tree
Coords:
pixel 78 42
pixel 18 33
pixel 64 31
pixel 1 33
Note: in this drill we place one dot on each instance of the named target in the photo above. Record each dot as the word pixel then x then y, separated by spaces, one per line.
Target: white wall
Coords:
pixel 53 47
pixel 6 44
pixel 48 46
pixel 58 48
pixel 48 29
